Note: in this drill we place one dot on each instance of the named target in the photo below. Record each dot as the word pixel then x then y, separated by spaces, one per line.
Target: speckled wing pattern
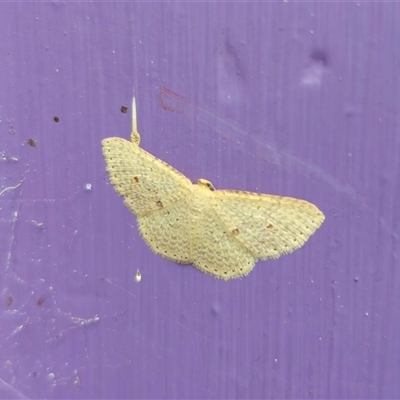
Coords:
pixel 167 230
pixel 146 183
pixel 239 228
pixel 267 225
pixel 215 249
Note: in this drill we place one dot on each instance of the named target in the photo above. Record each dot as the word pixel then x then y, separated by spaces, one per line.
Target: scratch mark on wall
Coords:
pixel 8 391
pixel 10 188
pixel 272 154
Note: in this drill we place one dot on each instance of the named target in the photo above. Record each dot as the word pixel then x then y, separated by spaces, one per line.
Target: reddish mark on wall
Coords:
pixel 165 96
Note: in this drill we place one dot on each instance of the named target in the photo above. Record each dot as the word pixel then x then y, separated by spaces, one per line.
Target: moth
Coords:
pixel 220 232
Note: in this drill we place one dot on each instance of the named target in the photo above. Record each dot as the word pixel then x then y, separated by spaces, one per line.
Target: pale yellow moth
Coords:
pixel 220 232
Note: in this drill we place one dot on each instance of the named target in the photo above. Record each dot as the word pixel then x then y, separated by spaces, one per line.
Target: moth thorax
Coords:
pixel 205 184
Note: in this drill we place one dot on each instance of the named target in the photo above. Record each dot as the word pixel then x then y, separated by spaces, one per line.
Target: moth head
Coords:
pixel 205 184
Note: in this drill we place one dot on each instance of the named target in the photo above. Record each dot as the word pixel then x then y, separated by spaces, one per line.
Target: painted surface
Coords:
pixel 290 99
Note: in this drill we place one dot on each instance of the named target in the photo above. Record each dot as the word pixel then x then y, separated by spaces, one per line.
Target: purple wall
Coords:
pixel 297 99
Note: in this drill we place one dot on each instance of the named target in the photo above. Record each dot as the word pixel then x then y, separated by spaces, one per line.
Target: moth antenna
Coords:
pixel 135 136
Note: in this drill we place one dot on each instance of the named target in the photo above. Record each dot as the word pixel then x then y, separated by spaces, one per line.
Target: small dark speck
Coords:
pixel 124 109
pixel 356 279
pixel 56 119
pixel 319 56
pixel 9 301
pixel 216 310
pixel 41 300
pixel 31 142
